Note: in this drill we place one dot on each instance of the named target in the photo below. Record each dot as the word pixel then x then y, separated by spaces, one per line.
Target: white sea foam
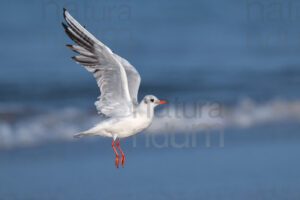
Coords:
pixel 20 128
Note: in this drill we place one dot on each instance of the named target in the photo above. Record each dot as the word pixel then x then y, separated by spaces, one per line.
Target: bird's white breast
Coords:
pixel 128 126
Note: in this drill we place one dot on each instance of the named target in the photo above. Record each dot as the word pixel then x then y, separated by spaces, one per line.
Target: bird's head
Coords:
pixel 152 101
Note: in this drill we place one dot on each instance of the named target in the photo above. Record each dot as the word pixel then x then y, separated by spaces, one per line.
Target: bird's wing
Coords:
pixel 107 67
pixel 133 78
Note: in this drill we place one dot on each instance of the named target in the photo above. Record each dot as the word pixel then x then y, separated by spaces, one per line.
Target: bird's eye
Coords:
pixel 152 100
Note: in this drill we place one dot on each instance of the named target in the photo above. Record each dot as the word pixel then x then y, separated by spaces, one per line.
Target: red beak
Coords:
pixel 162 102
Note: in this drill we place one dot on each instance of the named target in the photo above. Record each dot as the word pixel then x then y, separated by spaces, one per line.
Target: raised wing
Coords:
pixel 107 67
pixel 133 77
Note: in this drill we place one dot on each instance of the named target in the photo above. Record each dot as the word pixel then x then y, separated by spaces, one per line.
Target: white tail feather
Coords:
pixel 83 134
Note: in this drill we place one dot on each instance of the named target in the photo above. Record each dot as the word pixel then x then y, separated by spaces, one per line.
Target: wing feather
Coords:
pixel 80 50
pixel 134 78
pixel 110 74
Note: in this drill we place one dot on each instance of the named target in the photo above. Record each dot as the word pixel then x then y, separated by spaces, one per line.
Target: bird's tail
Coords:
pixel 83 134
pixel 95 131
pixel 79 135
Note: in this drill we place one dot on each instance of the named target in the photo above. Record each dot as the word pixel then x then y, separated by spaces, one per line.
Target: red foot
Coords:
pixel 117 161
pixel 123 156
pixel 123 160
pixel 117 155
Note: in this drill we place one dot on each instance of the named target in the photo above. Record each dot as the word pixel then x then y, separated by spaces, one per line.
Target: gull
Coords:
pixel 118 82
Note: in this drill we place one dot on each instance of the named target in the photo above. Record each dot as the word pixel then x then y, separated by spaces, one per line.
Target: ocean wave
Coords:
pixel 245 114
pixel 21 126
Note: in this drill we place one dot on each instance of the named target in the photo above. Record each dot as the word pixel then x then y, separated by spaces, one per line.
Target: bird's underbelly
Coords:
pixel 129 126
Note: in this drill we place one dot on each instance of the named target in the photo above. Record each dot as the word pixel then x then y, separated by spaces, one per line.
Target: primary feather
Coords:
pixel 117 79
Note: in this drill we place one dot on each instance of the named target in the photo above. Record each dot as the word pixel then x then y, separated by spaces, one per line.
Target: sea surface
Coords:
pixel 230 71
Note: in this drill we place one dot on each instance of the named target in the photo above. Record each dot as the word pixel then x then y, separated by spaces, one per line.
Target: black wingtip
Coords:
pixel 73 58
pixel 64 12
pixel 69 45
pixel 64 25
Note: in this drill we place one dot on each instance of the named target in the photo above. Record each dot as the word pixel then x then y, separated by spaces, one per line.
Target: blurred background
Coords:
pixel 229 69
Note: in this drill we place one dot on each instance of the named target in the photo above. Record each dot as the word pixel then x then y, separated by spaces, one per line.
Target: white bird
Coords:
pixel 118 81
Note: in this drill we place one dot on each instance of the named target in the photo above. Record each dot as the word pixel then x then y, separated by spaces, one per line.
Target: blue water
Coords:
pixel 243 55
pixel 256 164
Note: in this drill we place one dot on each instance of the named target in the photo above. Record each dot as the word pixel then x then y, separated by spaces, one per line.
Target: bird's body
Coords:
pixel 122 127
pixel 118 82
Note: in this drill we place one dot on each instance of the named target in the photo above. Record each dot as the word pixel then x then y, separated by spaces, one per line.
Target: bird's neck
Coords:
pixel 145 110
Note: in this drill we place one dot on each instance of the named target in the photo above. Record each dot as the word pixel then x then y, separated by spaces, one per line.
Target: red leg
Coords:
pixel 117 155
pixel 123 156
